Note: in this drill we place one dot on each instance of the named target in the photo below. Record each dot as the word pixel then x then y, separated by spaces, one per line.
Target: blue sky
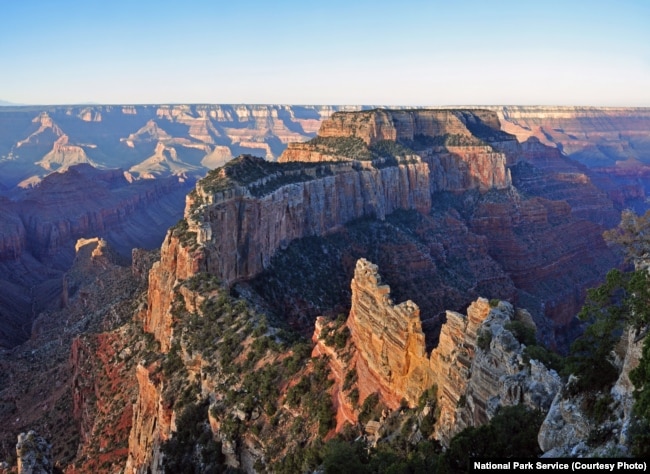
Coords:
pixel 408 52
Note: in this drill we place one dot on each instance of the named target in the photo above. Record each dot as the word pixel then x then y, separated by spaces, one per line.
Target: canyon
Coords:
pixel 454 206
pixel 120 173
pixel 148 141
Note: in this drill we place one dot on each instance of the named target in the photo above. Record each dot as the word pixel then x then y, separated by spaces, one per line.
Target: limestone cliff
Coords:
pixel 478 377
pixel 242 227
pixel 265 206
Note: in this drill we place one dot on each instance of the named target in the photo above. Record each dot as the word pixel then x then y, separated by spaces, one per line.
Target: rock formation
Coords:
pixel 73 381
pixel 392 359
pixel 443 171
pixel 34 456
pixel 568 429
pixel 240 216
pixel 201 137
pixel 152 424
pixel 473 382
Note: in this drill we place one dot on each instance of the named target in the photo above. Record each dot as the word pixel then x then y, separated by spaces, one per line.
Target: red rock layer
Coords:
pixel 545 251
pixel 152 424
pixel 177 262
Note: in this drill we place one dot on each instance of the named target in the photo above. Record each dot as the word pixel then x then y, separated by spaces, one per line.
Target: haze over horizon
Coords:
pixel 413 53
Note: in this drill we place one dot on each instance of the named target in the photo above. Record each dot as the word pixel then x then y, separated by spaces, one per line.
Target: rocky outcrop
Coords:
pixel 177 262
pixel 473 379
pixel 392 357
pixel 476 378
pixel 241 232
pixel 453 143
pixel 34 454
pixel 84 201
pixel 407 125
pixel 568 428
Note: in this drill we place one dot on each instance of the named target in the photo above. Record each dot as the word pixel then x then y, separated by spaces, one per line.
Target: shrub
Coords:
pixel 484 339
pixel 524 333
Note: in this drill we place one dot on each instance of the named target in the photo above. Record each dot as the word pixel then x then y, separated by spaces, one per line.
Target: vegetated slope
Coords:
pixel 68 382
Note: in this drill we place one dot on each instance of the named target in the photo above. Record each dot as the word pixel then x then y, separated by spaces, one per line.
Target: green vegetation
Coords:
pixel 524 333
pixel 371 409
pixel 246 170
pixel 193 444
pixel 422 142
pixel 182 232
pixel 495 439
pixel 619 304
pixel 396 454
pixel 353 148
pixel 484 339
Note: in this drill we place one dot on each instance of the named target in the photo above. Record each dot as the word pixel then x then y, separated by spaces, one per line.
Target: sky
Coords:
pixel 401 52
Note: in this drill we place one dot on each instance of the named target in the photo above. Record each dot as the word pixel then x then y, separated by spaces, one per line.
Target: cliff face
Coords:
pixel 453 143
pixel 594 136
pixel 264 214
pixel 240 216
pixel 473 380
pixel 534 240
pixel 74 380
pixel 613 144
pixel 567 428
pixel 152 423
pixel 392 358
pixel 406 125
pixel 177 262
pixel 242 232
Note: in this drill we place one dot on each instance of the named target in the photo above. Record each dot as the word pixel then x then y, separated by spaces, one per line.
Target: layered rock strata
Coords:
pixel 38 229
pixel 473 382
pixel 262 214
pixel 152 424
pixel 201 137
pixel 392 358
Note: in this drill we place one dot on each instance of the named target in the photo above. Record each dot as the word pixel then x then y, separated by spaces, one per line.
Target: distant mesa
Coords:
pixel 35 141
